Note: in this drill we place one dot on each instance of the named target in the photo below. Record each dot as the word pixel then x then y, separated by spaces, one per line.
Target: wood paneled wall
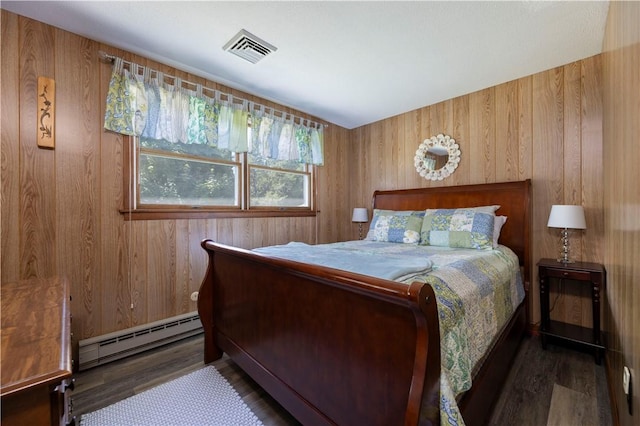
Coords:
pixel 621 76
pixel 546 127
pixel 60 208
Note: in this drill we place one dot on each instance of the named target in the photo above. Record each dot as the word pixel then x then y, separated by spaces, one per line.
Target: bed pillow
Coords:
pixel 498 222
pixel 460 228
pixel 396 226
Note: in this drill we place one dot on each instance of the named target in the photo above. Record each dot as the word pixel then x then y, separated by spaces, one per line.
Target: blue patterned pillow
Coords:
pixel 396 226
pixel 463 228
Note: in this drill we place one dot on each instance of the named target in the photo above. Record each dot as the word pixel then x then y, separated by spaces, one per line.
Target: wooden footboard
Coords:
pixel 332 347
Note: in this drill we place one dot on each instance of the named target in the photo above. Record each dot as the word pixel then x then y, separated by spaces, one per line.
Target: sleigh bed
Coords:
pixel 339 347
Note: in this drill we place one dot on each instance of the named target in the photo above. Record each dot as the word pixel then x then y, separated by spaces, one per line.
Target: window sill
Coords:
pixel 168 214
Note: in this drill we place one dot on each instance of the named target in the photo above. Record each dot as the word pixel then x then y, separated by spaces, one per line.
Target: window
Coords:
pixel 182 180
pixel 190 149
pixel 176 174
pixel 278 184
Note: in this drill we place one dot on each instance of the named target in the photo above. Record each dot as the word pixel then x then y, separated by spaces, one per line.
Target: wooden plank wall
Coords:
pixel 60 208
pixel 621 76
pixel 546 127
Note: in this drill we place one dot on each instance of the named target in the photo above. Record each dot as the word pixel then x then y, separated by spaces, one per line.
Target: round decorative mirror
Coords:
pixel 437 157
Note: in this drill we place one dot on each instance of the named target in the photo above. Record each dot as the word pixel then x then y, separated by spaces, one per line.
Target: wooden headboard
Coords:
pixel 514 199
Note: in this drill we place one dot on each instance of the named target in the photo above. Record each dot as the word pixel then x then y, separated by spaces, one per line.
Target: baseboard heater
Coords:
pixel 112 346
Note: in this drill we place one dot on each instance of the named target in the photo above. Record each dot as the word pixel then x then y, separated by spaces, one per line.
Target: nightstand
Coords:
pixel 592 274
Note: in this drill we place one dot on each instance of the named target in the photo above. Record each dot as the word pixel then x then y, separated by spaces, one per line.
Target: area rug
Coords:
pixel 200 398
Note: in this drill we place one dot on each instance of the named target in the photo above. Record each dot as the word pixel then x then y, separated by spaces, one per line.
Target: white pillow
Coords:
pixel 498 221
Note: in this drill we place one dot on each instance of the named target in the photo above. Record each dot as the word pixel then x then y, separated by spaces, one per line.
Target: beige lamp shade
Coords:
pixel 567 217
pixel 360 214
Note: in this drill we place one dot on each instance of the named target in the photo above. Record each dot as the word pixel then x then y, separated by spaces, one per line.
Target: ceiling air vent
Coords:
pixel 249 47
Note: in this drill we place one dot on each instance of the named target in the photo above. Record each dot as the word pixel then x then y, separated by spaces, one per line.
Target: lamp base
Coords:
pixel 564 254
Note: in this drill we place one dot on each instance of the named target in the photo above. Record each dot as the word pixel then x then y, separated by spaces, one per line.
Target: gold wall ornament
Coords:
pixel 46 135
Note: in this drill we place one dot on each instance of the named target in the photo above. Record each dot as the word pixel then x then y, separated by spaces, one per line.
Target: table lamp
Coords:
pixel 360 216
pixel 566 217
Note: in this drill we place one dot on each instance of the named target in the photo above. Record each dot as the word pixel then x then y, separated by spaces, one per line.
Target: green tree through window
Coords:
pixel 193 175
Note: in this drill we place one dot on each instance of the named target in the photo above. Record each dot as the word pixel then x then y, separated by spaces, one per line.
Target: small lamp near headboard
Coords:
pixel 360 216
pixel 566 217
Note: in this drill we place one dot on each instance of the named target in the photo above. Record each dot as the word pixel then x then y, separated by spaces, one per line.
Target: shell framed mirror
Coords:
pixel 437 157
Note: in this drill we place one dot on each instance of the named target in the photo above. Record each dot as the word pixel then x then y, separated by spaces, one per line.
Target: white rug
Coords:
pixel 200 398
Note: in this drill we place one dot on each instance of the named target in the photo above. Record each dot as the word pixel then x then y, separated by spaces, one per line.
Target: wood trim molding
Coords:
pixel 194 213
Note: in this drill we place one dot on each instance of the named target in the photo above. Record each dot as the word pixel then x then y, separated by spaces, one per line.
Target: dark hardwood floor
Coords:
pixel 577 384
pixel 104 385
pixel 561 377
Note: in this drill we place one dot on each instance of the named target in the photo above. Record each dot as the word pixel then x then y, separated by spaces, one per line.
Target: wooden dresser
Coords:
pixel 36 353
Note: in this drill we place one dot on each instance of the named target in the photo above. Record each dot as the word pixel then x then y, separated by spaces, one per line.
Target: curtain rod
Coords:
pixel 105 57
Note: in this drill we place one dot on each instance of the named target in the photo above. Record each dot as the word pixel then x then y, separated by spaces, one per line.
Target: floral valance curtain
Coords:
pixel 144 105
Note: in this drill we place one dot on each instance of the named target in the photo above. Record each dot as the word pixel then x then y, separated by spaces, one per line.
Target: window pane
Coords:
pixel 258 160
pixel 272 188
pixel 165 180
pixel 199 150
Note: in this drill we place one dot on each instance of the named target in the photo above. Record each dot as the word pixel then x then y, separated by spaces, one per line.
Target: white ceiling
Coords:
pixel 349 63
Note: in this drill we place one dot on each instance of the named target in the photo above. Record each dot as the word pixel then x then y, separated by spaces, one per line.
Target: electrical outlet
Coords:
pixel 627 386
pixel 626 378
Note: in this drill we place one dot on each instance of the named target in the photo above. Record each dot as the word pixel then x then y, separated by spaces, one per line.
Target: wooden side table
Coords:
pixel 593 274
